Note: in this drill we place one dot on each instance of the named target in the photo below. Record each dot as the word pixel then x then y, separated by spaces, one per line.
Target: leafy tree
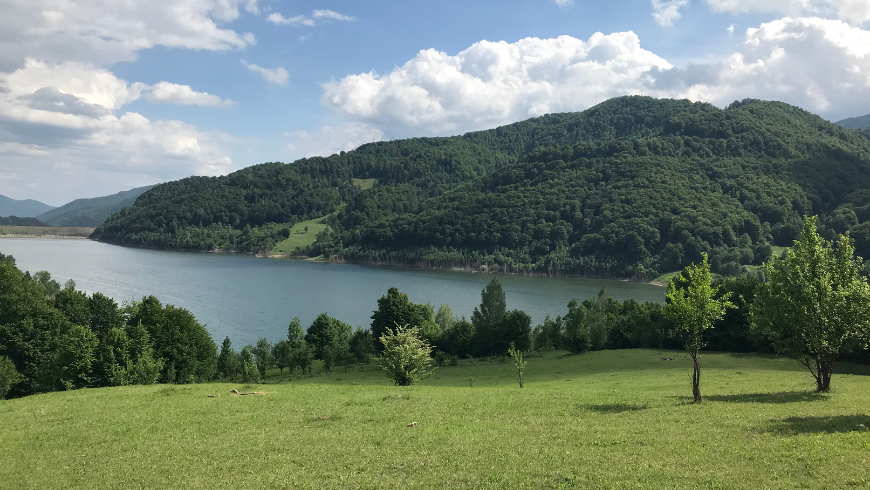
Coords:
pixel 282 353
pixel 694 309
pixel 263 357
pixel 247 368
pixel 49 286
pixel 362 345
pixel 395 309
pixel 227 360
pixel 459 340
pixel 515 328
pixel 104 314
pixel 493 307
pixel 596 319
pixel 406 357
pixel 327 332
pixel 576 338
pixel 815 303
pixel 145 369
pixel 295 334
pixel 519 362
pixel 74 305
pixel 9 377
pixel 444 317
pixel 75 358
pixel 112 359
pixel 303 357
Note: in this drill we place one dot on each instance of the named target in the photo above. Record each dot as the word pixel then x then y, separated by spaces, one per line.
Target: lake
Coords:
pixel 246 298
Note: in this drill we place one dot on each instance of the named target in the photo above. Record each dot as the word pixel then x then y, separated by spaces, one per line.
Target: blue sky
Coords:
pixel 100 96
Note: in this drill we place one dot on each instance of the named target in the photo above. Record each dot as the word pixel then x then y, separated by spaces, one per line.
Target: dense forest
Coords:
pixel 16 221
pixel 90 213
pixel 633 187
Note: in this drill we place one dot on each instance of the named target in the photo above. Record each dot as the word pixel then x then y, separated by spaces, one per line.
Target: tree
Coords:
pixel 406 358
pixel 693 309
pixel 362 345
pixel 226 362
pixel 576 338
pixel 75 358
pixel 263 357
pixel 303 356
pixel 596 320
pixel 444 317
pixel 295 334
pixel 247 368
pixel 104 314
pixel 459 340
pixel 514 328
pixel 493 307
pixel 9 376
pixel 519 362
pixel 326 331
pixel 815 303
pixel 395 309
pixel 282 353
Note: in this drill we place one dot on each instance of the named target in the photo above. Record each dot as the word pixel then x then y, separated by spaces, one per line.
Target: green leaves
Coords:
pixel 406 357
pixel 695 308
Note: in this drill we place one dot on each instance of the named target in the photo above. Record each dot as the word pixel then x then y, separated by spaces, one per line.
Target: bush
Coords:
pixel 9 376
pixel 406 357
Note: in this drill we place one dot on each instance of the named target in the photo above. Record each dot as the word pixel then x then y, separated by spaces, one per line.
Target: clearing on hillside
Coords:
pixel 608 419
pixel 299 238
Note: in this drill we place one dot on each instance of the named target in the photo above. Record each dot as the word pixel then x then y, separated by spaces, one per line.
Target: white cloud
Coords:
pixel 494 83
pixel 563 3
pixel 331 15
pixel 299 20
pixel 59 131
pixel 731 29
pixel 666 12
pixel 820 64
pixel 278 76
pixel 329 140
pixel 317 17
pixel 108 31
pixel 854 11
pixel 171 93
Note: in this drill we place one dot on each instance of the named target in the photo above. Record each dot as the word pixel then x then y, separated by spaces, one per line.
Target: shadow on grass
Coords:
pixel 786 397
pixel 616 408
pixel 820 425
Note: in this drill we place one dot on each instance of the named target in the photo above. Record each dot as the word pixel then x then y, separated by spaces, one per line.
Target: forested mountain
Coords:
pixel 862 122
pixel 27 208
pixel 630 188
pixel 17 221
pixel 92 212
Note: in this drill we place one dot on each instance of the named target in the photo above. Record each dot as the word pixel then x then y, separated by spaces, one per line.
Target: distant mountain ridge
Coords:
pixel 860 122
pixel 27 208
pixel 91 213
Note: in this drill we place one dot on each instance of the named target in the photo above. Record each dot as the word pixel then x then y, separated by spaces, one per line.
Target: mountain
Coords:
pixel 27 208
pixel 630 188
pixel 90 213
pixel 862 122
pixel 18 221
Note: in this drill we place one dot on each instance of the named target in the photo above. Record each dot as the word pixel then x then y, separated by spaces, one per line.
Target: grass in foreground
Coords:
pixel 299 238
pixel 617 419
pixel 44 231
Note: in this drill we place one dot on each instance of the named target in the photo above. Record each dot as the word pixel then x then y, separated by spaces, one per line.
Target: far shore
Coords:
pixel 44 232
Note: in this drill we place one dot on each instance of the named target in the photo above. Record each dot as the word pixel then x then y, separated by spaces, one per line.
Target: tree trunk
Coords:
pixel 696 376
pixel 826 370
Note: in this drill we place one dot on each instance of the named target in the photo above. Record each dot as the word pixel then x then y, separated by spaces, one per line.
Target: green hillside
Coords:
pixel 91 212
pixel 27 208
pixel 610 419
pixel 633 187
pixel 861 122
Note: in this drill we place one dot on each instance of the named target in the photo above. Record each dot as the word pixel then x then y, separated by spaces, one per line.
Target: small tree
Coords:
pixel 303 356
pixel 282 353
pixel 519 362
pixel 693 309
pixel 9 376
pixel 263 357
pixel 362 345
pixel 247 368
pixel 295 334
pixel 815 302
pixel 406 357
pixel 226 363
pixel 493 307
pixel 576 338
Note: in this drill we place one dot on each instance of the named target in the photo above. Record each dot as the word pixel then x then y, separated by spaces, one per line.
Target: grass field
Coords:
pixel 364 184
pixel 298 237
pixel 612 419
pixel 44 231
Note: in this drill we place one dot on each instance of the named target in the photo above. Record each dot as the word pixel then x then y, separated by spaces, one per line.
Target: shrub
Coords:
pixel 9 376
pixel 406 357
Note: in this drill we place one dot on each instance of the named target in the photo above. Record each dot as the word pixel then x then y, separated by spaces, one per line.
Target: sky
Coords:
pixel 101 96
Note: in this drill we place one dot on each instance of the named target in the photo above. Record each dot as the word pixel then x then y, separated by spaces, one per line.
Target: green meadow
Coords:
pixel 299 238
pixel 36 231
pixel 606 419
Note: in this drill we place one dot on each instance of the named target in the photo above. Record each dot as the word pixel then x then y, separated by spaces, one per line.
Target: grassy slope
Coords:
pixel 617 419
pixel 45 231
pixel 298 237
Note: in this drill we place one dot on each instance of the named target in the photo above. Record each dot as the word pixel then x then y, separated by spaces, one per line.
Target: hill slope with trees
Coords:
pixel 90 213
pixel 630 188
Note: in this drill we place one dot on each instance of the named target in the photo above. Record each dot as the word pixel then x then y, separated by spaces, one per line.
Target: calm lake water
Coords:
pixel 246 298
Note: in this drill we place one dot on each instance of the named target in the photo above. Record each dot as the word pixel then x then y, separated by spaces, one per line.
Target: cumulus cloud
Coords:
pixel 493 83
pixel 107 31
pixel 63 120
pixel 171 93
pixel 666 12
pixel 278 76
pixel 822 65
pixel 329 140
pixel 317 17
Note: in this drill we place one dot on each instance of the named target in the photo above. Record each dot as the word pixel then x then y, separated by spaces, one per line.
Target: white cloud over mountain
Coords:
pixel 820 64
